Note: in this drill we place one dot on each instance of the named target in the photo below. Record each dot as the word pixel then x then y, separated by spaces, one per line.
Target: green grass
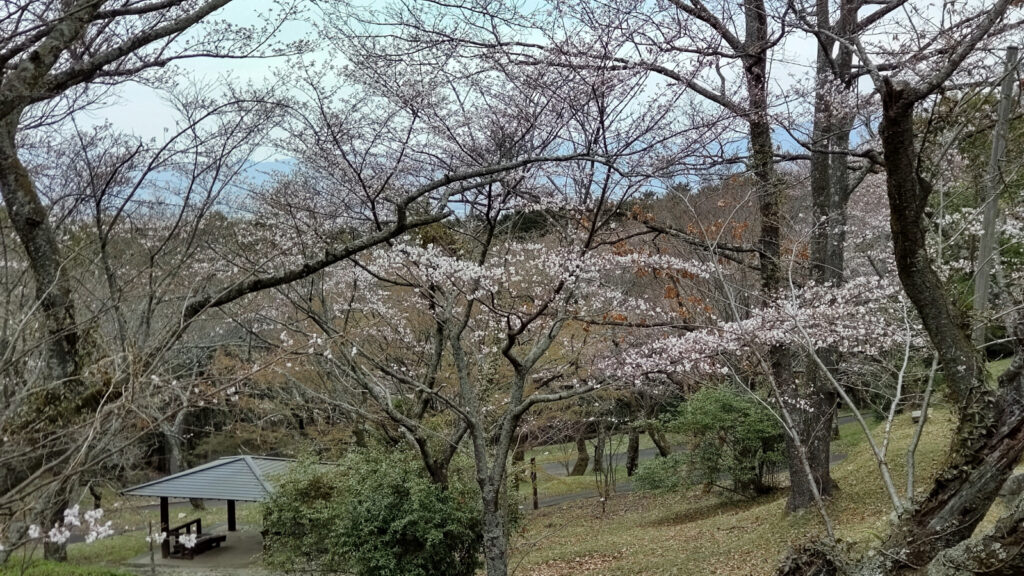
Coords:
pixel 44 568
pixel 694 532
pixel 549 485
pixel 997 368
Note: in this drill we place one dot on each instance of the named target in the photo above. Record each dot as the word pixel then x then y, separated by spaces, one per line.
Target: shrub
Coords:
pixel 374 515
pixel 662 474
pixel 732 434
pixel 301 520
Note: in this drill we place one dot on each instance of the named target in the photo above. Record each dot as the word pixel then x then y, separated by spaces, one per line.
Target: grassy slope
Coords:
pixel 695 533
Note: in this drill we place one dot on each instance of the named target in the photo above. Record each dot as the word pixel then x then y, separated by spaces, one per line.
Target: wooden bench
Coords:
pixel 204 542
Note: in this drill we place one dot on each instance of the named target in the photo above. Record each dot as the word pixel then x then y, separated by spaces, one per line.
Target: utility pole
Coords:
pixel 990 203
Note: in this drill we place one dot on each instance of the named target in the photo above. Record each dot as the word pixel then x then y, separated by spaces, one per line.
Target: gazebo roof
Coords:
pixel 243 478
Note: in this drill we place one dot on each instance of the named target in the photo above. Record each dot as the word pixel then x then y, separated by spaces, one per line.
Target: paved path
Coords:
pixel 557 467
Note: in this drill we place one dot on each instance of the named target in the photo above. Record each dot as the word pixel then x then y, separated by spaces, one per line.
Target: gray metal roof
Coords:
pixel 245 478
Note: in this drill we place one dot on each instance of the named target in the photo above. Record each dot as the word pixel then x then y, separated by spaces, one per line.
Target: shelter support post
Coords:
pixel 165 525
pixel 231 516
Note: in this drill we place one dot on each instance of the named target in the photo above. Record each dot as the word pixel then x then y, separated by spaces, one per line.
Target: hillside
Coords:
pixel 697 533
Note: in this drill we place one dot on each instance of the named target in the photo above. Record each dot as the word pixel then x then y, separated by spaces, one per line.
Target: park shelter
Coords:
pixel 232 478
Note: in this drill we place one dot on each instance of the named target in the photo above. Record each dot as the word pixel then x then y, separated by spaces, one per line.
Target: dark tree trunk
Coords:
pixel 599 451
pixel 359 434
pixel 437 468
pixel 780 358
pixel 62 397
pixel 173 449
pixel 814 427
pixel 830 194
pixel 51 550
pixel 989 438
pixel 97 497
pixel 30 220
pixel 582 458
pixel 632 451
pixel 55 552
pixel 762 165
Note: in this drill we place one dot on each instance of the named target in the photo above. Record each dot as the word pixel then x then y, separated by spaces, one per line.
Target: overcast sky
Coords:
pixel 140 110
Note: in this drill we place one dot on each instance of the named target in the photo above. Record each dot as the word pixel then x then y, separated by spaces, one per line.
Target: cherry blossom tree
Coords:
pixel 717 58
pixel 454 333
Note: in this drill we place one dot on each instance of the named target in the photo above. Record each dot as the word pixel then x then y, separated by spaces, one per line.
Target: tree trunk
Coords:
pixel 660 442
pixel 815 429
pixel 30 220
pixel 494 532
pixel 55 552
pixel 359 434
pixel 439 474
pixel 830 195
pixel 989 438
pixel 16 531
pixel 988 252
pixel 762 165
pixel 582 457
pixel 599 451
pixel 814 426
pixel 172 451
pixel 633 451
pixel 518 465
pixel 63 398
pixel 56 506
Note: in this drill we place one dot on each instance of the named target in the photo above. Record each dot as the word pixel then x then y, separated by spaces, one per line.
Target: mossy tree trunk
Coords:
pixel 632 451
pixel 582 458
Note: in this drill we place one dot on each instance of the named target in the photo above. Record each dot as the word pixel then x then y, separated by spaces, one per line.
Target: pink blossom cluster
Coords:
pixel 73 518
pixel 862 316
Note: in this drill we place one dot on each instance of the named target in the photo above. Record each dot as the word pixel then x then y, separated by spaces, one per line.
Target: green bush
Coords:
pixel 734 435
pixel 45 568
pixel 662 474
pixel 374 515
